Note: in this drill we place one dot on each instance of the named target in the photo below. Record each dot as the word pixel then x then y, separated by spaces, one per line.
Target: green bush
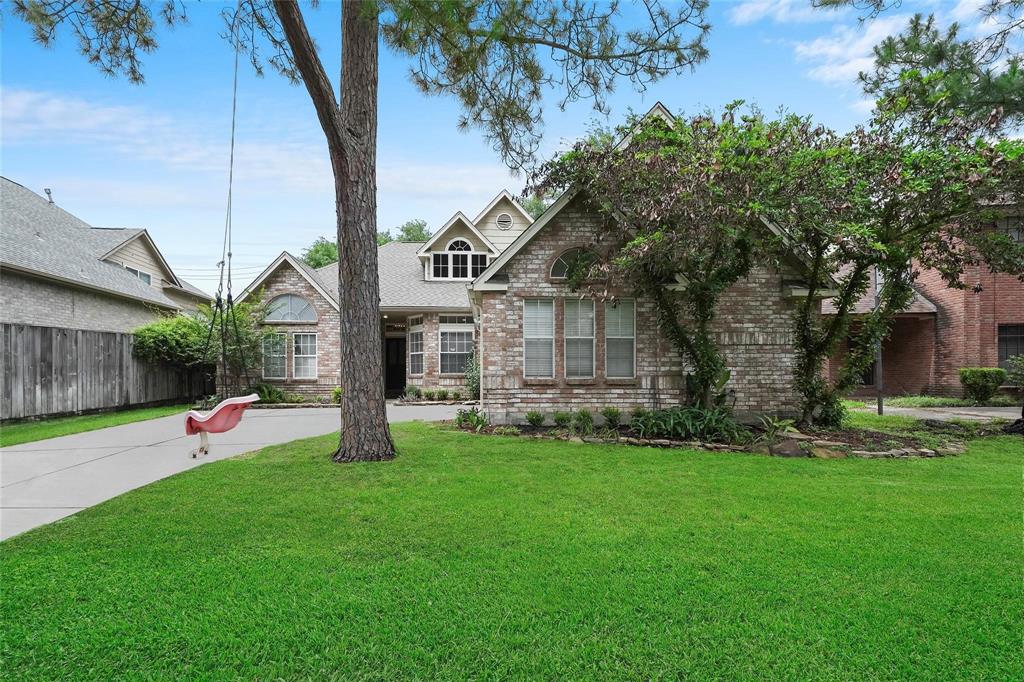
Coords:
pixel 269 393
pixel 456 395
pixel 428 394
pixel 562 419
pixel 294 398
pixel 412 392
pixel 1015 375
pixel 442 394
pixel 582 423
pixel 473 377
pixel 687 423
pixel 176 341
pixel 535 418
pixel 336 395
pixel 612 417
pixel 471 419
pixel 507 430
pixel 981 383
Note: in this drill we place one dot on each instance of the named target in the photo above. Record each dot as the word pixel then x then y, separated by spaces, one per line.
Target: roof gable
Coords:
pixel 143 238
pixel 304 270
pixel 507 196
pixel 457 220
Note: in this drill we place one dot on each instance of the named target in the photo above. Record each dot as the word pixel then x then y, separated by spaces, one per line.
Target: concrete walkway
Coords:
pixel 47 480
pixel 979 414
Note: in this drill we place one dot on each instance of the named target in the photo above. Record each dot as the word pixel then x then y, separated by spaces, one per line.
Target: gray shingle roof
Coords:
pixel 43 238
pixel 866 303
pixel 401 280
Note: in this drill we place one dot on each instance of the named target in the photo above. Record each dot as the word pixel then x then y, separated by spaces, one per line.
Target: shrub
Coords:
pixel 456 395
pixel 686 423
pixel 562 419
pixel 412 392
pixel 535 418
pixel 473 377
pixel 582 423
pixel 612 417
pixel 294 398
pixel 507 430
pixel 1015 375
pixel 178 341
pixel 471 419
pixel 269 393
pixel 336 395
pixel 442 394
pixel 774 427
pixel 981 383
pixel 428 394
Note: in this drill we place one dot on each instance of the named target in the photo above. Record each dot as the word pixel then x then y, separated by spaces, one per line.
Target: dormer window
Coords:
pixel 458 261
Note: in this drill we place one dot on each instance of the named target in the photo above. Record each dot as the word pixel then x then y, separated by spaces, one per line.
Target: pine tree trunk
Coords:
pixel 351 131
pixel 364 426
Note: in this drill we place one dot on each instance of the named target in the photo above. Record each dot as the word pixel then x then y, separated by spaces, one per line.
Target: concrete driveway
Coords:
pixel 47 480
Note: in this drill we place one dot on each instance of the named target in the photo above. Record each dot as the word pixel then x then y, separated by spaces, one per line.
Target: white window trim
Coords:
pixel 606 337
pixel 553 363
pixel 315 355
pixel 284 345
pixel 451 267
pixel 139 274
pixel 593 342
pixel 417 329
pixel 453 327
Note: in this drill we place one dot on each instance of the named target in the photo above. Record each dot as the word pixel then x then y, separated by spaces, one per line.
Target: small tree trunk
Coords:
pixel 351 131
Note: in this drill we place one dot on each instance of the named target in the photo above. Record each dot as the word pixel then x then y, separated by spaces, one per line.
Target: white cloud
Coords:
pixel 780 11
pixel 847 50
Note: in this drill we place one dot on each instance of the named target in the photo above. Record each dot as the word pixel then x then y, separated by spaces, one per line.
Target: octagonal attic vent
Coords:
pixel 503 221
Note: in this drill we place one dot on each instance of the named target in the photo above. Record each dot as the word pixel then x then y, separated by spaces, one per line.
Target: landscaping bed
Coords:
pixel 903 437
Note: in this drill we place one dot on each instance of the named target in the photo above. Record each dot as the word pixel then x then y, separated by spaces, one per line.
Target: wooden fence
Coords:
pixel 47 370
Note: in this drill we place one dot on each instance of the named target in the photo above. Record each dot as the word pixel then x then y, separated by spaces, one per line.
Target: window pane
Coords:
pixel 460 245
pixel 540 360
pixel 1011 343
pixel 441 265
pixel 618 319
pixel 538 318
pixel 304 356
pixel 416 342
pixel 479 264
pixel 579 357
pixel 579 318
pixel 290 308
pixel 274 356
pixel 460 265
pixel 455 350
pixel 620 358
pixel 305 368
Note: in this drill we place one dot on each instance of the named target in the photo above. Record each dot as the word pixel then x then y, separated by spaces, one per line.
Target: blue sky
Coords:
pixel 155 155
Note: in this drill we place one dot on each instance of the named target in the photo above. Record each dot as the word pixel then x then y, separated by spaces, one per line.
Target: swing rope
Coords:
pixel 224 304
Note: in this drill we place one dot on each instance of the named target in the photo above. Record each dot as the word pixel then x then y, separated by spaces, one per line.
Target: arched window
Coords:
pixel 290 308
pixel 459 245
pixel 573 260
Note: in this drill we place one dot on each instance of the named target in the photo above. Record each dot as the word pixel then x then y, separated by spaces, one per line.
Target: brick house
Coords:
pixel 59 271
pixel 945 329
pixel 497 283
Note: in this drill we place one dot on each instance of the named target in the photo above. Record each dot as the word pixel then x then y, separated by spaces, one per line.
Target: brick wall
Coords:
pixel 967 322
pixel 908 358
pixel 754 330
pixel 432 377
pixel 28 300
pixel 285 280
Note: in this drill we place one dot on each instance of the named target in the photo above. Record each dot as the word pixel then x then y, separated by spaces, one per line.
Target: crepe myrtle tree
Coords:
pixel 885 198
pixel 680 207
pixel 496 57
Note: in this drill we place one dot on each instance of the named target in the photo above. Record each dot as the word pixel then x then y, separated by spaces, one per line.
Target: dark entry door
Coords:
pixel 394 366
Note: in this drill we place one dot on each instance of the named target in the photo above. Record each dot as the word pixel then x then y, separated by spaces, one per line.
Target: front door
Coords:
pixel 394 367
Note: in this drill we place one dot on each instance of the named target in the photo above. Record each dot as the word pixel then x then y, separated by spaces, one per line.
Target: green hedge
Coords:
pixel 981 383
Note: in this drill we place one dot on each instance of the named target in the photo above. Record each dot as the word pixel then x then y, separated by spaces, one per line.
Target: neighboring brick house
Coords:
pixel 945 329
pixel 58 271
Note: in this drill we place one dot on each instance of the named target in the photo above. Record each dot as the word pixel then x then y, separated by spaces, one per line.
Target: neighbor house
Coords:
pixel 944 329
pixel 59 271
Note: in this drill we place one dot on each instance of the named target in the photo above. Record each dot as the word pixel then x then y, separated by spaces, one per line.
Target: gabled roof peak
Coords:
pixel 503 194
pixel 459 217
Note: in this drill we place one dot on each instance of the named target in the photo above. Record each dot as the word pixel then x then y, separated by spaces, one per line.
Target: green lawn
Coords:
pixel 487 557
pixel 26 432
